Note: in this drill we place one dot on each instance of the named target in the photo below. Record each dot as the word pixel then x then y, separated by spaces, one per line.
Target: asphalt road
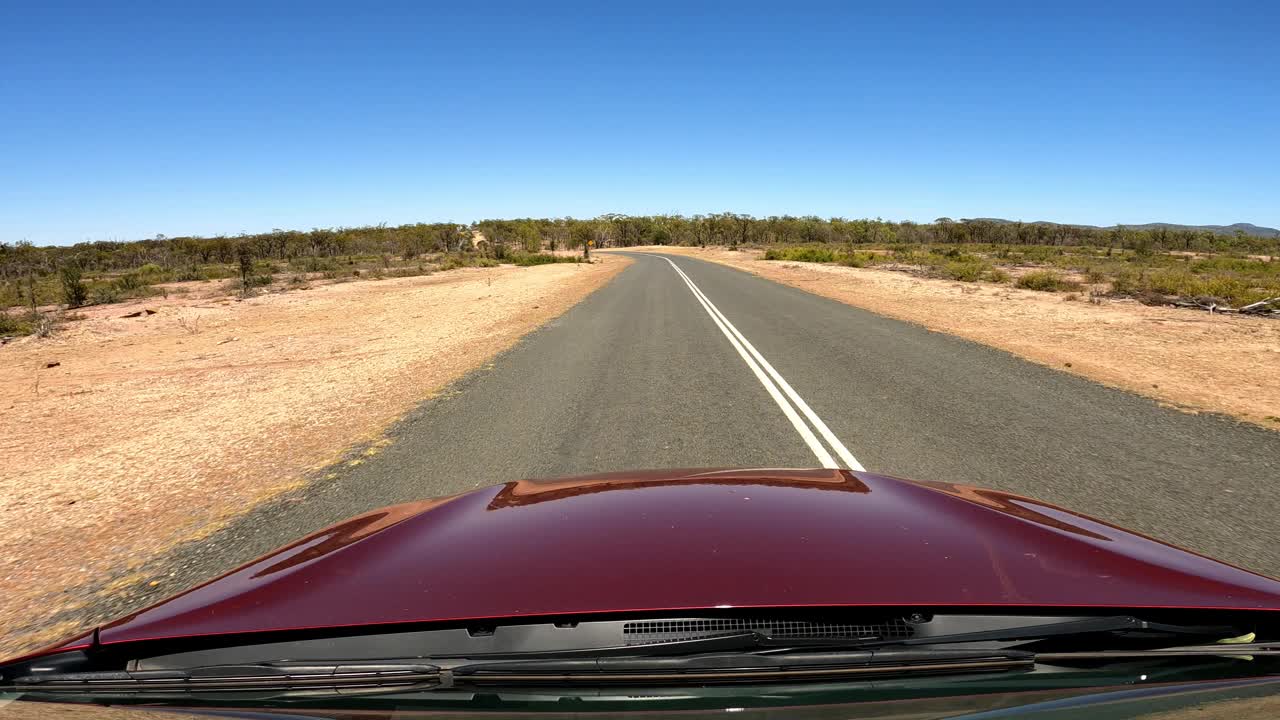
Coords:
pixel 640 375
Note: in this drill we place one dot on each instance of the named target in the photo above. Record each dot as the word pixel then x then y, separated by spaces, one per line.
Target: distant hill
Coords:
pixel 1247 228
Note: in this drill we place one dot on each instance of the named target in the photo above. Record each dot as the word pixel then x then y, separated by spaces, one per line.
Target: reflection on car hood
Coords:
pixel 677 540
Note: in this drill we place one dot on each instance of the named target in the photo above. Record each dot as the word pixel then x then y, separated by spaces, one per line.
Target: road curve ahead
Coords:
pixel 682 363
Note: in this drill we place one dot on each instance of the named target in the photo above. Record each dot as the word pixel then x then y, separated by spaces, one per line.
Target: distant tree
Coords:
pixel 244 257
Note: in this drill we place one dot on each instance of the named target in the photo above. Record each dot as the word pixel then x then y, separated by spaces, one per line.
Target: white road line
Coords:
pixel 806 434
pixel 752 356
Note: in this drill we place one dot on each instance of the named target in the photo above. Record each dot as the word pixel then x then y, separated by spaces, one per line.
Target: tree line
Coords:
pixel 502 237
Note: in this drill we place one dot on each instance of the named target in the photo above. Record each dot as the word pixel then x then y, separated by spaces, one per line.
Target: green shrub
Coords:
pixel 151 269
pixel 527 259
pixel 1232 289
pixel 858 259
pixel 966 271
pixel 410 271
pixel 804 253
pixel 74 293
pixel 1173 282
pixel 997 275
pixel 314 264
pixel 1126 282
pixel 11 324
pixel 105 295
pixel 1046 281
pixel 129 282
pixel 1094 275
pixel 190 274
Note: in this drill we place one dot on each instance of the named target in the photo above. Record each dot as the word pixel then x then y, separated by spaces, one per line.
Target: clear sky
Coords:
pixel 121 120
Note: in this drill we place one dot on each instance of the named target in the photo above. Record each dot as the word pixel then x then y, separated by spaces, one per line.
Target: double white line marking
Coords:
pixel 776 385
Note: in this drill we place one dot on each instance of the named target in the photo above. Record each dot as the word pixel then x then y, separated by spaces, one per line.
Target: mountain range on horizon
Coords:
pixel 1246 228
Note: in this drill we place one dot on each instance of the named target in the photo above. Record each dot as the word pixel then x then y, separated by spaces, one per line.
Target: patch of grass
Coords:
pixel 1046 281
pixel 996 275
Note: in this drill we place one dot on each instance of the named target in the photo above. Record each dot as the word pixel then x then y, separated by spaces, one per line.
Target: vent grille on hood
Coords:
pixel 643 632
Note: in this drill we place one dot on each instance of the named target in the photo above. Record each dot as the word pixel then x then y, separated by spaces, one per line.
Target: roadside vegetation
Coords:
pixel 1229 279
pixel 41 286
pixel 1156 265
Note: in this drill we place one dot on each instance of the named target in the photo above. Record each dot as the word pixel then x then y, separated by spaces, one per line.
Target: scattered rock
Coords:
pixel 141 313
pixel 52 364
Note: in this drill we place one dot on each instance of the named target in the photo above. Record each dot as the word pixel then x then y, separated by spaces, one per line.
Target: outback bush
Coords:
pixel 967 271
pixel 858 259
pixel 105 295
pixel 803 253
pixel 410 271
pixel 1173 282
pixel 190 274
pixel 528 259
pixel 130 282
pixel 1046 281
pixel 996 275
pixel 1126 282
pixel 74 292
pixel 11 324
pixel 315 264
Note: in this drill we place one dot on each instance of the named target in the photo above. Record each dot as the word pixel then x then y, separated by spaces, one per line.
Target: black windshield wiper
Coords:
pixel 233 678
pixel 735 666
pixel 1083 626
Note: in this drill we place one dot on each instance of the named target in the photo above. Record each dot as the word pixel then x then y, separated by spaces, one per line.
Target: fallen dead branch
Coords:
pixel 1262 308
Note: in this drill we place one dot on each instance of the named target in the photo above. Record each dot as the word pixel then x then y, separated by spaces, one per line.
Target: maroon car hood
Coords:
pixel 677 540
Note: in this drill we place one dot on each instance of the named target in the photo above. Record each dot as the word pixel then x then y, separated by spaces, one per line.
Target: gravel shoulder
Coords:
pixel 1190 360
pixel 127 436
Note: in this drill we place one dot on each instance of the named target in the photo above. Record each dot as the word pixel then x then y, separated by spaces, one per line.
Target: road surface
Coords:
pixel 684 363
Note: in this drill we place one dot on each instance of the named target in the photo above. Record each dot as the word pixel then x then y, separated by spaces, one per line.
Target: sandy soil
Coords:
pixel 123 436
pixel 1189 359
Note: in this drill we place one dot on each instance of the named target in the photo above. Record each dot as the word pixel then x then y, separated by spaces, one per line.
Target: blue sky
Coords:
pixel 124 120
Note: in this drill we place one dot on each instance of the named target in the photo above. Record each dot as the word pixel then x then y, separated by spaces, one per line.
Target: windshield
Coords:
pixel 761 355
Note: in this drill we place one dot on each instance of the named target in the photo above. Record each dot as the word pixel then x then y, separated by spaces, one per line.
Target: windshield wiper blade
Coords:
pixel 1084 626
pixel 1218 650
pixel 233 678
pixel 736 666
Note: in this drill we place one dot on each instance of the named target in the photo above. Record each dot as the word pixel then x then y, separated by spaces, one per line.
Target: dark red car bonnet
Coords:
pixel 676 540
